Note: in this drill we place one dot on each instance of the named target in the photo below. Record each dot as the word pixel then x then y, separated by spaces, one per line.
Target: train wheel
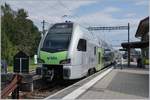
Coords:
pixel 91 71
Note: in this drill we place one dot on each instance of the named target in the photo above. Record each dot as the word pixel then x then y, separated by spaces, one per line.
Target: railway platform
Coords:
pixel 127 83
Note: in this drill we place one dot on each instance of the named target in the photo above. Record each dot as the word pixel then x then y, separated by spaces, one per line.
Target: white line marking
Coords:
pixel 49 97
pixel 76 93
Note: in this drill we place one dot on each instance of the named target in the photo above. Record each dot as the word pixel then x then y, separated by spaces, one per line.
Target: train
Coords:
pixel 70 51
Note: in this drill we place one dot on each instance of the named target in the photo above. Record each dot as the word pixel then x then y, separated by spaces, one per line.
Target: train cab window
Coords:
pixel 81 45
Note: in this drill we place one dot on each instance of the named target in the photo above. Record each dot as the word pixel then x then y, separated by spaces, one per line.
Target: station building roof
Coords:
pixel 143 27
pixel 137 44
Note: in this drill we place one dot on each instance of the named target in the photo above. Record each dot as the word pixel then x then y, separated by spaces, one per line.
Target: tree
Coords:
pixel 18 33
pixel 7 48
pixel 26 29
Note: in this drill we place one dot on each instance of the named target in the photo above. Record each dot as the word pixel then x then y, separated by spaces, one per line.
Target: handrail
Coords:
pixel 12 86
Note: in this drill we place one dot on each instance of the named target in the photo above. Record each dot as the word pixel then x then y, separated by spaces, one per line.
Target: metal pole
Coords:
pixel 129 44
pixel 43 27
pixel 20 65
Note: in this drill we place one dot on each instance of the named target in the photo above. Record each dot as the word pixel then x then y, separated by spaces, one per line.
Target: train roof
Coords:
pixel 94 39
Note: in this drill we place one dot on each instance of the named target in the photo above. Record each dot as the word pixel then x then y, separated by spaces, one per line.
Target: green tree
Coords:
pixel 18 33
pixel 7 19
pixel 27 30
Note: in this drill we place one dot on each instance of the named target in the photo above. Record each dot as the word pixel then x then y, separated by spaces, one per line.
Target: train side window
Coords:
pixel 94 50
pixel 99 57
pixel 81 45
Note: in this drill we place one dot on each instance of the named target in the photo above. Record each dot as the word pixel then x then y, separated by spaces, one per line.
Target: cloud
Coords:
pixel 106 19
pixel 141 2
pixel 111 9
pixel 52 11
pixel 53 7
pixel 101 18
pixel 130 15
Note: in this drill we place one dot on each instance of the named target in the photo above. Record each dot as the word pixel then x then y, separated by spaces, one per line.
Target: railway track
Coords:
pixel 49 88
pixel 43 88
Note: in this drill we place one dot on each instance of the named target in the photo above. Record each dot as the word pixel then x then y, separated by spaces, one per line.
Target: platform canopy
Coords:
pixel 137 44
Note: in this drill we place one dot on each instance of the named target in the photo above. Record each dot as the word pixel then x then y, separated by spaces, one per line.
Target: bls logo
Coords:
pixel 52 58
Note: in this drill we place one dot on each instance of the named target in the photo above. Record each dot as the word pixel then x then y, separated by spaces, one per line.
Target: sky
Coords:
pixel 88 13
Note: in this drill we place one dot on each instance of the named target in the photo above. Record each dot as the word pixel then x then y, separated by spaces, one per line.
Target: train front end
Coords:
pixel 53 51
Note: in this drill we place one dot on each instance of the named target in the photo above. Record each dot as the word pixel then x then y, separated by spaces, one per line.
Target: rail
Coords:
pixel 12 87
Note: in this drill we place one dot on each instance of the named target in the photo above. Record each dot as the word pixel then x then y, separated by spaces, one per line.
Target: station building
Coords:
pixel 142 33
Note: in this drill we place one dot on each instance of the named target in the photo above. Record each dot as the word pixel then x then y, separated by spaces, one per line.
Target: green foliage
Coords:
pixel 18 33
pixel 8 50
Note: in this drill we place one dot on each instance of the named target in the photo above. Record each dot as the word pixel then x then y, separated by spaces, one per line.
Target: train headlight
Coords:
pixel 66 61
pixel 40 60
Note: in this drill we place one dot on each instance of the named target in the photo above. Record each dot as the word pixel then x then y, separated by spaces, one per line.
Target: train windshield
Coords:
pixel 58 38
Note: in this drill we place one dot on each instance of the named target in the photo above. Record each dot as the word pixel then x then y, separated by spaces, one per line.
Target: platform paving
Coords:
pixel 129 83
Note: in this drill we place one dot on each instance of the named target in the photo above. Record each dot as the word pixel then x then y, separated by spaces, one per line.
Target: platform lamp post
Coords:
pixel 128 44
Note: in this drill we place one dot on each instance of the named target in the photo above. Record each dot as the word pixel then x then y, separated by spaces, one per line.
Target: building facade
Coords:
pixel 143 33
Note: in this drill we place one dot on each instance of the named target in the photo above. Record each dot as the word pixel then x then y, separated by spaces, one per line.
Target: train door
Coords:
pixel 91 56
pixel 98 67
pixel 99 57
pixel 82 46
pixel 95 57
pixel 100 62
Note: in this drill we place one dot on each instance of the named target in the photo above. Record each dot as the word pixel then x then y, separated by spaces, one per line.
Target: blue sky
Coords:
pixel 126 6
pixel 88 13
